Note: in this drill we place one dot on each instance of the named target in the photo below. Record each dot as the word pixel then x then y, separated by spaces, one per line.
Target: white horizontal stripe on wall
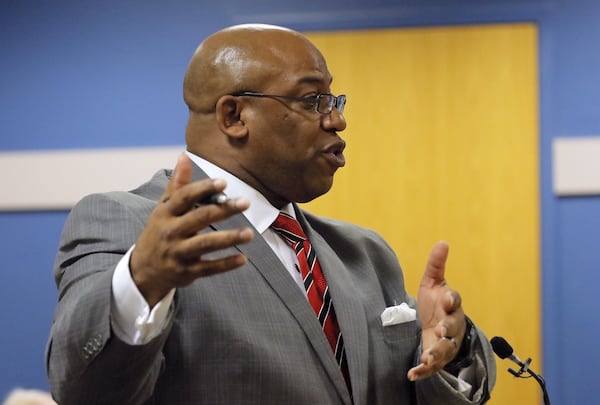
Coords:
pixel 576 166
pixel 56 180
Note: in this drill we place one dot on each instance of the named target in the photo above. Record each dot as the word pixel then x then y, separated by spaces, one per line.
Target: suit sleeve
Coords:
pixel 436 389
pixel 86 362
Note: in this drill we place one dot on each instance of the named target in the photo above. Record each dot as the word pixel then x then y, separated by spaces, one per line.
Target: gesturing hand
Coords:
pixel 168 252
pixel 441 315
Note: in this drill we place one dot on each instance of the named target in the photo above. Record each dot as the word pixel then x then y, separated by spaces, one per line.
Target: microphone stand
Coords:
pixel 525 368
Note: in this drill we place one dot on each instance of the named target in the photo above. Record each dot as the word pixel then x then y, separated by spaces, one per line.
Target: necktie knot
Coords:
pixel 289 228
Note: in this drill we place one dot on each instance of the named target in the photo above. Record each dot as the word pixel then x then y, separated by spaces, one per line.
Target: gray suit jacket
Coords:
pixel 248 336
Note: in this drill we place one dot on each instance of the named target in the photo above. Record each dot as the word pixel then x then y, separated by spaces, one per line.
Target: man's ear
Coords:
pixel 228 114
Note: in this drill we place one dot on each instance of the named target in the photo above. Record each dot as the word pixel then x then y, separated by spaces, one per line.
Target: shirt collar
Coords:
pixel 260 213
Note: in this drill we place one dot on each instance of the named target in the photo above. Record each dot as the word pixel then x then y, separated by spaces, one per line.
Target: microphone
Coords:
pixel 505 351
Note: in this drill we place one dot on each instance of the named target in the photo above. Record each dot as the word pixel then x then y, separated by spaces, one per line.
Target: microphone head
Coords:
pixel 501 347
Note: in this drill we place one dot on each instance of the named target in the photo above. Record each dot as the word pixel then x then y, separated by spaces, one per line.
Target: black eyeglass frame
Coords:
pixel 325 107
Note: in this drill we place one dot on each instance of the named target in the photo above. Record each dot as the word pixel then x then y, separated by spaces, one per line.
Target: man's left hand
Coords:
pixel 441 315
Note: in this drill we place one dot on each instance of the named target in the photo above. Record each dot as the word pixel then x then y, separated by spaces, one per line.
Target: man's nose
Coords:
pixel 335 120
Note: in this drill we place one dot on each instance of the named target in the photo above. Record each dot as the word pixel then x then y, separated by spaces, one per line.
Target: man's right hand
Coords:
pixel 168 252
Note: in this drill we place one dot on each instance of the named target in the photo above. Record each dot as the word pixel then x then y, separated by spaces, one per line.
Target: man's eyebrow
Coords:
pixel 313 80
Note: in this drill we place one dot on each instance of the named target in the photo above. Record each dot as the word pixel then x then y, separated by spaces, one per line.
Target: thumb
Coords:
pixel 436 265
pixel 182 175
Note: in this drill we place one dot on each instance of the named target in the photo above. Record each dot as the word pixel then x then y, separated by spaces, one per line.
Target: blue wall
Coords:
pixel 77 74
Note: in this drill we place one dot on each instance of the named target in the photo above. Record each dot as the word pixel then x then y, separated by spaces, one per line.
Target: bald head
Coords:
pixel 277 141
pixel 28 397
pixel 240 58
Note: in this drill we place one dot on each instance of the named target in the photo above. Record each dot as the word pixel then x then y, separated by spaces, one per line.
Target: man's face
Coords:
pixel 292 151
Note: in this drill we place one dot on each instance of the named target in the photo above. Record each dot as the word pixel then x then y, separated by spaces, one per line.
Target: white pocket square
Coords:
pixel 398 314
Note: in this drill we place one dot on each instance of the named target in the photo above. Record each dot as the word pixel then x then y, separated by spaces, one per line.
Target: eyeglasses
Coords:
pixel 322 103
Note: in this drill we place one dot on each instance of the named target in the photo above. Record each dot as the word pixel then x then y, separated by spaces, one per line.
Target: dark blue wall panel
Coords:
pixel 27 295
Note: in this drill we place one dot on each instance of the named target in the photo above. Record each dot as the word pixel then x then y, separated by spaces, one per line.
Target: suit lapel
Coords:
pixel 265 261
pixel 350 313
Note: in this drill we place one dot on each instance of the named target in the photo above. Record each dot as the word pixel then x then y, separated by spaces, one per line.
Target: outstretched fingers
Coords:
pixel 172 250
pixel 436 265
pixel 182 175
pixel 441 314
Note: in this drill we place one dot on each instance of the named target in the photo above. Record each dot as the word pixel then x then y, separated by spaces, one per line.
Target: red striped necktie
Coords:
pixel 315 284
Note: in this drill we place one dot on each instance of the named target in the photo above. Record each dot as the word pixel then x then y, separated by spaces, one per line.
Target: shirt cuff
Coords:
pixel 459 383
pixel 132 319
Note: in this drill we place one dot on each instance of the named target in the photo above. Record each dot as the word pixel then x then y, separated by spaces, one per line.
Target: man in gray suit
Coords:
pixel 168 295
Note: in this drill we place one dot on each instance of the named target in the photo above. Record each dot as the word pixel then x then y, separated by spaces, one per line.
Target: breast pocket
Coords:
pixel 402 340
pixel 401 332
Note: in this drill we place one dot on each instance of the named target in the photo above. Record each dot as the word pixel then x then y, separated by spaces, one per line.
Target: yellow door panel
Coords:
pixel 443 144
